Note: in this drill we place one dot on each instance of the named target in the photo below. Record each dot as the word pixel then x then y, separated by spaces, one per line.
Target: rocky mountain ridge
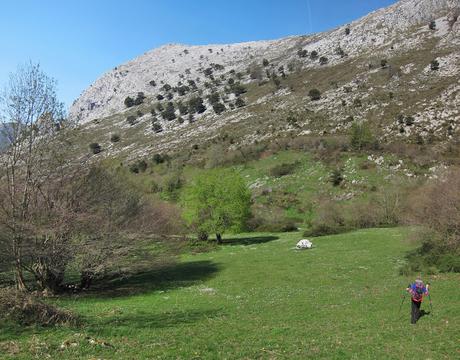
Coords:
pixel 397 63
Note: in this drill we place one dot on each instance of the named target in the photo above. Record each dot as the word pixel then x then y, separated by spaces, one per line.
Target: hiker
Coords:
pixel 417 290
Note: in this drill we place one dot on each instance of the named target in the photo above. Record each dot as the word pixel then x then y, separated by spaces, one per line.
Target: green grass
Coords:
pixel 257 298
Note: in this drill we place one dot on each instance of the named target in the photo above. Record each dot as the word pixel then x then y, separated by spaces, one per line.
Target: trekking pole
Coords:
pixel 402 302
pixel 431 305
pixel 429 298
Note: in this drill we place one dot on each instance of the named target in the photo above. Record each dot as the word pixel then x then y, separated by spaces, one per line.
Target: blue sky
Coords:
pixel 77 41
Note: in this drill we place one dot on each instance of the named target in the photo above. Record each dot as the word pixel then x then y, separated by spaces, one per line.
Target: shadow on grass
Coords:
pixel 147 320
pixel 167 277
pixel 249 240
pixel 424 313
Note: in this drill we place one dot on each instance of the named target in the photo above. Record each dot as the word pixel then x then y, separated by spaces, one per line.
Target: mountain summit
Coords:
pixel 397 68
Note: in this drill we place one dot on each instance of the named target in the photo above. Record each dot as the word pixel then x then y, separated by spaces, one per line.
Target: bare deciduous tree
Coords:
pixel 30 107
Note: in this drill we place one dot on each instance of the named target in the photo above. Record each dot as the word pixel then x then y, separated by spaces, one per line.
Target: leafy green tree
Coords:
pixel 95 148
pixel 217 201
pixel 219 108
pixel 169 113
pixel 314 94
pixel 196 105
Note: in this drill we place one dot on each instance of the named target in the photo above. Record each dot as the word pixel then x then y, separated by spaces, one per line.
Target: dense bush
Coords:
pixel 347 31
pixel 432 25
pixel 314 55
pixel 159 159
pixel 25 309
pixel 329 220
pixel 381 210
pixel 283 169
pixel 138 166
pixel 323 60
pixel 435 209
pixel 265 62
pixel 383 63
pixel 271 223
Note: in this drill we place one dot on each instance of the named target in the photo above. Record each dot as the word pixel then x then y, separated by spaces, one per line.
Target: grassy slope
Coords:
pixel 339 300
pixel 296 194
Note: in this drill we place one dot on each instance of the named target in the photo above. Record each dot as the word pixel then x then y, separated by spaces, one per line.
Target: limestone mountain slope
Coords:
pixel 397 68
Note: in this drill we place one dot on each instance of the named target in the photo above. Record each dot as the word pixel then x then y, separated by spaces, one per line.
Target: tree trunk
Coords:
pixel 219 238
pixel 86 279
pixel 19 277
pixel 18 274
pixel 202 236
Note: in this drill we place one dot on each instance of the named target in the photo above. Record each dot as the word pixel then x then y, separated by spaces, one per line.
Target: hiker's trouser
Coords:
pixel 415 313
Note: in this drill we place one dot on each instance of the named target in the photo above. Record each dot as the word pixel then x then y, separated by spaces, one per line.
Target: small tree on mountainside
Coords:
pixel 139 99
pixel 217 201
pixel 314 94
pixel 239 102
pixel 302 53
pixel 323 60
pixel 95 148
pixel 219 108
pixel 129 102
pixel 115 138
pixel 432 25
pixel 314 55
pixel 434 65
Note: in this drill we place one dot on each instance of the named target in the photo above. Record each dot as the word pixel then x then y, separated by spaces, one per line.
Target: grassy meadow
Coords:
pixel 256 297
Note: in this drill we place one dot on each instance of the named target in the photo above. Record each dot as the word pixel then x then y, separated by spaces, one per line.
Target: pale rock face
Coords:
pixel 170 64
